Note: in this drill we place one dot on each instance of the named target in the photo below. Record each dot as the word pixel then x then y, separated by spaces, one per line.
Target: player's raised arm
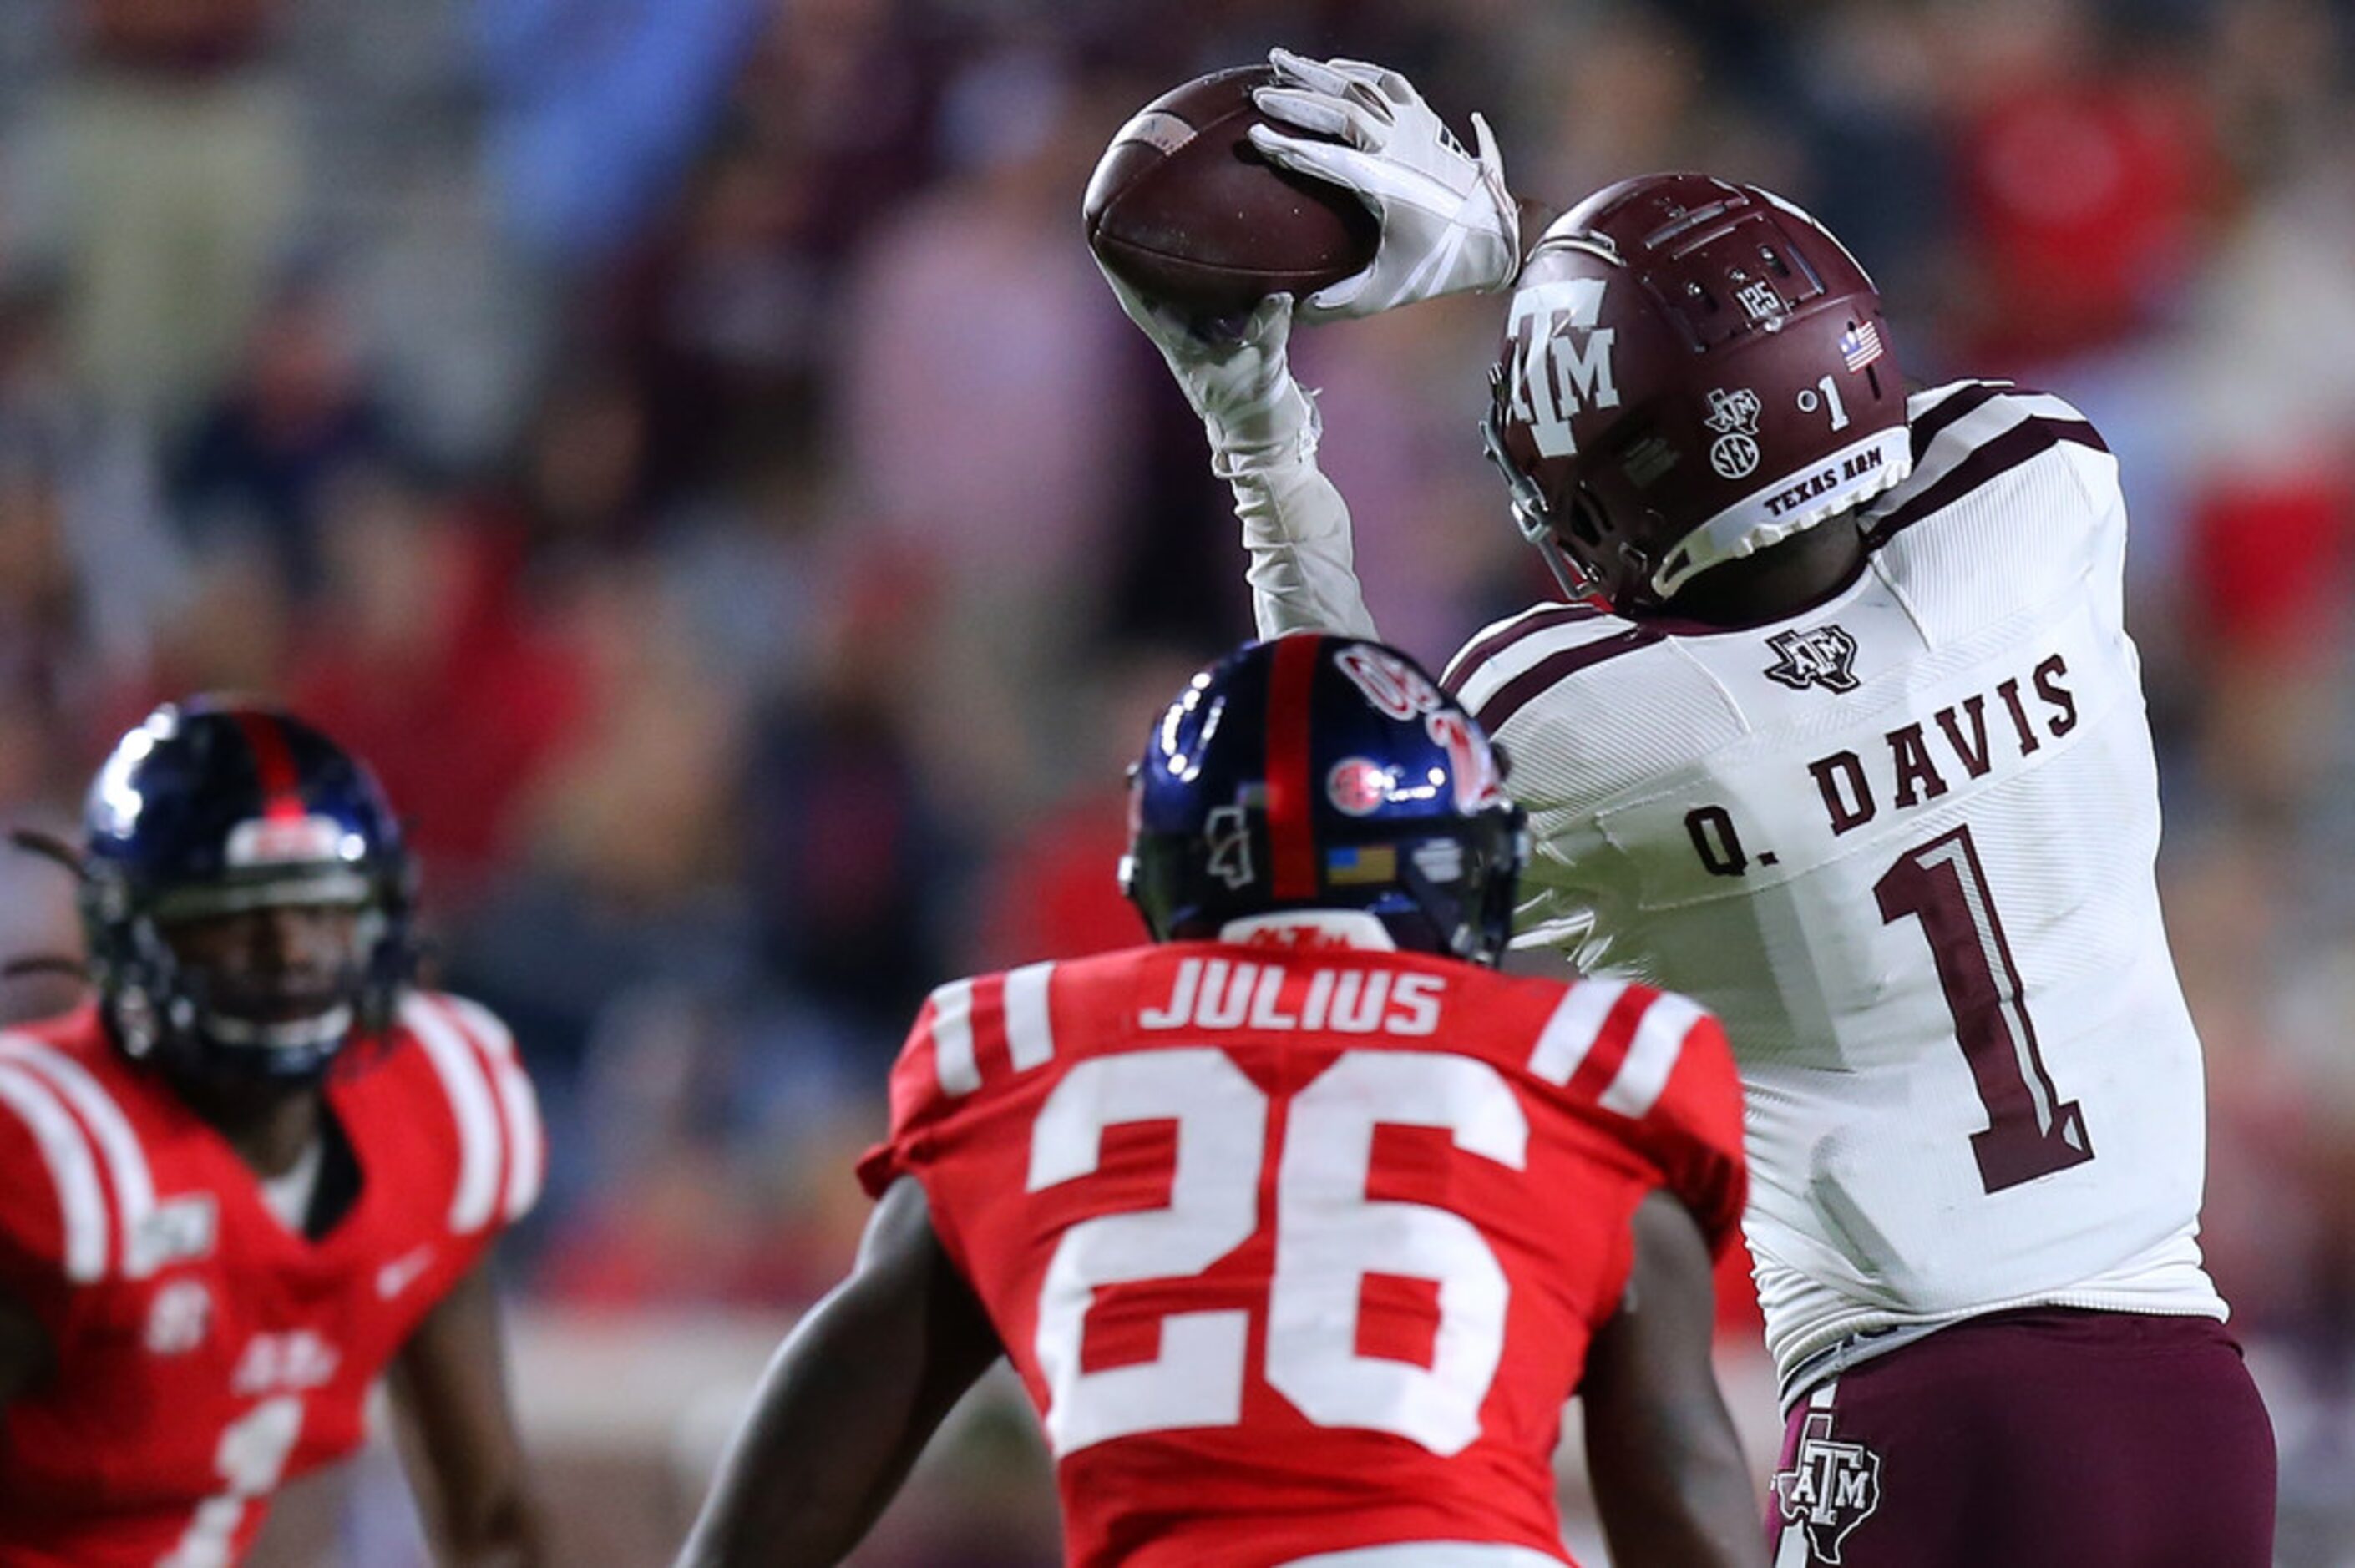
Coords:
pixel 1669 1479
pixel 1263 430
pixel 849 1402
pixel 1194 300
pixel 1447 224
pixel 450 1384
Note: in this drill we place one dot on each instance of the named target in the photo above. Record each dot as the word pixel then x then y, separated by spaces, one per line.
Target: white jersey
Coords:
pixel 1902 845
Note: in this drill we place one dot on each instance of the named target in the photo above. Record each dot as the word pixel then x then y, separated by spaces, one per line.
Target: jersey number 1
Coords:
pixel 252 1455
pixel 2031 1130
pixel 1328 1237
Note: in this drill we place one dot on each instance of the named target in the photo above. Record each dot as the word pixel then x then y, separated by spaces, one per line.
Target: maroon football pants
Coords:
pixel 2043 1438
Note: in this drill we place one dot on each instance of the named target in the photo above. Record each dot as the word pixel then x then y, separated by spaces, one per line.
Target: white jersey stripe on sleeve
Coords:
pixel 1572 1030
pixel 1652 1054
pixel 1030 1029
pixel 518 1105
pixel 462 1079
pixel 81 1205
pixel 109 1131
pixel 526 1141
pixel 953 1038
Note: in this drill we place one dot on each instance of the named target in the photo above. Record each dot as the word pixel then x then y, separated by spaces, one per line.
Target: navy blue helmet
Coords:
pixel 217 806
pixel 1324 772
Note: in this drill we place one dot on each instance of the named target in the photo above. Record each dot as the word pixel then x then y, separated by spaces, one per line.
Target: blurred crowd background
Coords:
pixel 685 445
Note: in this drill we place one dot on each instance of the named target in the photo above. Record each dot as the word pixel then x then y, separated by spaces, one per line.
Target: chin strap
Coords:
pixel 49 846
pixel 1577 586
pixel 43 964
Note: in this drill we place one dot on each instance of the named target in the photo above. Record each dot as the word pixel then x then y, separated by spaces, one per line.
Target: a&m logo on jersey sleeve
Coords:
pixel 1819 656
pixel 1829 1489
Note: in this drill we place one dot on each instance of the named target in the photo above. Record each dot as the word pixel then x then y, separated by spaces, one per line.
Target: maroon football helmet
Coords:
pixel 1692 370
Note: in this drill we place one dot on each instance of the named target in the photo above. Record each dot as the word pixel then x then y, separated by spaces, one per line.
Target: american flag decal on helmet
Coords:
pixel 1861 346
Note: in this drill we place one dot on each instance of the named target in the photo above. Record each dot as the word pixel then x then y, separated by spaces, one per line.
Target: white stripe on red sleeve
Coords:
pixel 81 1204
pixel 1652 1054
pixel 952 1032
pixel 1029 1027
pixel 461 1071
pixel 110 1132
pixel 518 1105
pixel 1576 1024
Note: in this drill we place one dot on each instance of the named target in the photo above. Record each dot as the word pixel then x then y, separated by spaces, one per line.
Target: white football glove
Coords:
pixel 1241 385
pixel 1449 224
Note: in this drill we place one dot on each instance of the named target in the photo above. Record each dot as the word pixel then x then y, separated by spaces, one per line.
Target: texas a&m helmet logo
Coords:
pixel 1819 656
pixel 1830 1488
pixel 1735 417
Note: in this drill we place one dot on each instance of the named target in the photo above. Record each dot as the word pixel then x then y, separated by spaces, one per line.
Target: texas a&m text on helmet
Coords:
pixel 1692 370
pixel 1324 772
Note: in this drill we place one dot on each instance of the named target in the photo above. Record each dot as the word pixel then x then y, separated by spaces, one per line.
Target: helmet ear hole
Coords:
pixel 1584 521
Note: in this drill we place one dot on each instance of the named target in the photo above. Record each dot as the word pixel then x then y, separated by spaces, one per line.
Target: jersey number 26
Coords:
pixel 1328 1237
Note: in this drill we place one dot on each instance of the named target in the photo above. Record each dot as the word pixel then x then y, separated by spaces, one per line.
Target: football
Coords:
pixel 1184 209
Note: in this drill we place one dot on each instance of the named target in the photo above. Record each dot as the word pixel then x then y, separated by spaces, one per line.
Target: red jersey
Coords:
pixel 205 1351
pixel 1299 1249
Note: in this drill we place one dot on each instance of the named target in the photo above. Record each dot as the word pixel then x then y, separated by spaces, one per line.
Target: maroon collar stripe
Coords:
pixel 1516 693
pixel 1467 663
pixel 2030 438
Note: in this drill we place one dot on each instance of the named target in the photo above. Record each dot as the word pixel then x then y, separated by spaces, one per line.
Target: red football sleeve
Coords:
pixel 915 1090
pixel 1694 1134
pixel 32 1222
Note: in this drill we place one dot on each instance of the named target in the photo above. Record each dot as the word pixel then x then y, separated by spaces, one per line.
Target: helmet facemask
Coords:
pixel 220 1015
pixel 1573 538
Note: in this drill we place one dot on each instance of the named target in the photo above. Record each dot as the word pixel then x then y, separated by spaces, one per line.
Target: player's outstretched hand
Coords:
pixel 1449 224
pixel 1232 372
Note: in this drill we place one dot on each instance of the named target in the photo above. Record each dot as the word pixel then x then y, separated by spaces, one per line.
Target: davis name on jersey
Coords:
pixel 1902 845
pixel 206 1352
pixel 1299 1251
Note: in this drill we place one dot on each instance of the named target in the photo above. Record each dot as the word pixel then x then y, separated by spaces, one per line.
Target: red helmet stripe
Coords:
pixel 274 762
pixel 1292 838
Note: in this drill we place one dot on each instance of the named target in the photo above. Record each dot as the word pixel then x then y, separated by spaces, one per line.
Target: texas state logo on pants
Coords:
pixel 1827 1488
